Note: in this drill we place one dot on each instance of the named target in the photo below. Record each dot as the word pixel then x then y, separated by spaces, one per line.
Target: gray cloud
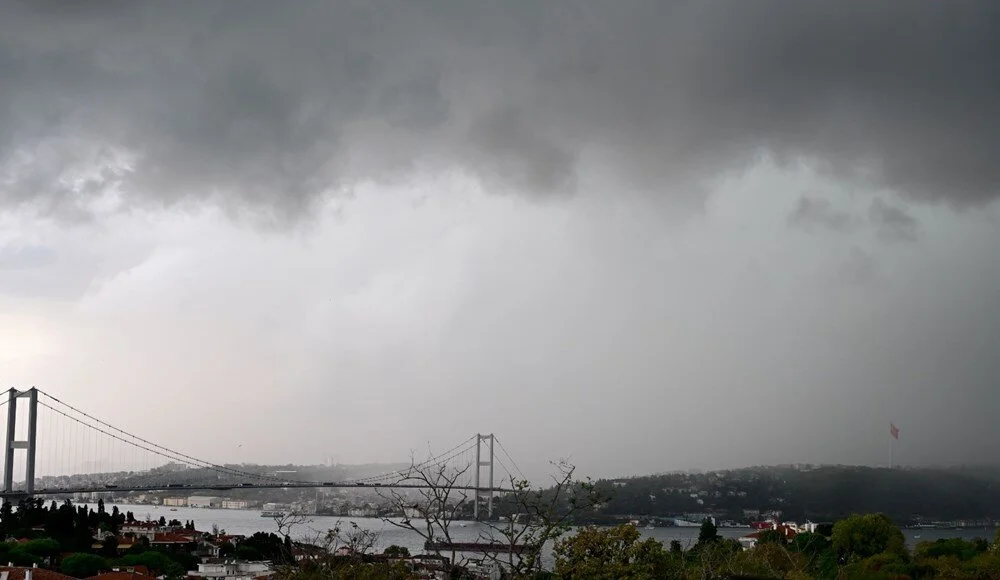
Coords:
pixel 268 108
pixel 892 222
pixel 811 212
pixel 858 267
pixel 25 257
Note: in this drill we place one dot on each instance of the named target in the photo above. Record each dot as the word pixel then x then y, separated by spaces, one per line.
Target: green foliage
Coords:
pixel 227 549
pixel 708 533
pixel 83 565
pixel 19 557
pixel 864 536
pixel 810 543
pixel 395 551
pixel 43 548
pixel 612 553
pixel 348 569
pixel 957 548
pixel 263 546
pixel 158 562
pixel 830 492
pixel 771 537
pixel 109 547
pixel 244 552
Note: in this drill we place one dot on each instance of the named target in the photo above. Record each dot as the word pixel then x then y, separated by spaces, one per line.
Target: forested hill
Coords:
pixel 818 493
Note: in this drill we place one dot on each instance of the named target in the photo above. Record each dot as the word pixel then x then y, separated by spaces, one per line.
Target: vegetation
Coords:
pixel 861 546
pixel 823 493
pixel 66 538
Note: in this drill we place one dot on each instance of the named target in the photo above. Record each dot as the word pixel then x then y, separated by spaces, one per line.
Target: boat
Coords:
pixel 267 514
pixel 685 523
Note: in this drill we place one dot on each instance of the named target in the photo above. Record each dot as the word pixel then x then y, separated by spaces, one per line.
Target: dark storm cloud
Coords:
pixel 267 106
pixel 810 212
pixel 892 223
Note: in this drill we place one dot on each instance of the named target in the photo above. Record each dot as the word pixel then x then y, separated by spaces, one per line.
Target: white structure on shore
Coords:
pixel 204 501
pixel 232 570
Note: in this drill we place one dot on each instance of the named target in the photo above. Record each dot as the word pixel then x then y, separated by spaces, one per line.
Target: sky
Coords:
pixel 642 236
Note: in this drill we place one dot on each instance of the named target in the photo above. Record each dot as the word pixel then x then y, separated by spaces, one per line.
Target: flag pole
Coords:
pixel 890 451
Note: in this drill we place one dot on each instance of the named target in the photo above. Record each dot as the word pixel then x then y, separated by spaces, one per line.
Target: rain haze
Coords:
pixel 644 236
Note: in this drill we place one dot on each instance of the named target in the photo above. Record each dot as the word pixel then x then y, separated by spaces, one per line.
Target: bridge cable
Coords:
pixel 154 448
pixel 437 460
pixel 403 473
pixel 186 458
pixel 514 463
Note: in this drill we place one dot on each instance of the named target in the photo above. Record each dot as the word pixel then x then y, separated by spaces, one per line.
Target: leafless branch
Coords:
pixel 430 511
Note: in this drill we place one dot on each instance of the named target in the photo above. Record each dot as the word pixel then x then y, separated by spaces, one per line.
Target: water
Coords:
pixel 247 522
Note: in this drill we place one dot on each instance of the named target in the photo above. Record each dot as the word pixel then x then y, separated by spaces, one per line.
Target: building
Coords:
pixel 239 504
pixel 123 574
pixel 203 501
pixel 232 571
pixel 175 501
pixel 22 573
pixel 174 542
pixel 362 512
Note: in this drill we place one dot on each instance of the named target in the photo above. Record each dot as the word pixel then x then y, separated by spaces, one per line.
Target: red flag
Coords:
pixel 894 431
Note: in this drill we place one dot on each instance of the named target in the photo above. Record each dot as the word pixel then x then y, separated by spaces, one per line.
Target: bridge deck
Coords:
pixel 229 487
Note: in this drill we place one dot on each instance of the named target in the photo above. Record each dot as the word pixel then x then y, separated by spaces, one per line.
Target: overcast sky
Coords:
pixel 646 236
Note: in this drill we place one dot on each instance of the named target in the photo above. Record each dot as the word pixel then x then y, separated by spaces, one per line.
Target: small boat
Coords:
pixel 271 514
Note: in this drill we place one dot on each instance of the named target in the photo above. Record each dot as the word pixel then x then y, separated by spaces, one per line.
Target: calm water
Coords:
pixel 247 522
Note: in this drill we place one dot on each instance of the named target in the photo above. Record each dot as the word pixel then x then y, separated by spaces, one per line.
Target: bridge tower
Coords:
pixel 28 445
pixel 483 492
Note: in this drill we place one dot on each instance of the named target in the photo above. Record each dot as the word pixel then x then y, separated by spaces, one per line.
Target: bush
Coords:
pixel 158 562
pixel 83 565
pixel 864 536
pixel 397 552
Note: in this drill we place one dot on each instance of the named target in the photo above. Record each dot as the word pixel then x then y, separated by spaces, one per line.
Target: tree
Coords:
pixel 286 522
pixel 109 546
pixel 708 533
pixel 42 548
pixel 771 537
pixel 158 562
pixel 863 536
pixel 262 546
pixel 357 540
pixel 535 517
pixel 613 553
pixel 395 551
pixel 83 565
pixel 430 511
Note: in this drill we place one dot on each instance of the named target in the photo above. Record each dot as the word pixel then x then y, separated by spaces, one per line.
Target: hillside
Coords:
pixel 818 493
pixel 177 474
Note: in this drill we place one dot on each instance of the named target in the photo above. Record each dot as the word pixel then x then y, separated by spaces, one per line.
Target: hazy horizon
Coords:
pixel 644 236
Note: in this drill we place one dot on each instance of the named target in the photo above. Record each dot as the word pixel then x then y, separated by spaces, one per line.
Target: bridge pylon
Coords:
pixel 29 445
pixel 483 492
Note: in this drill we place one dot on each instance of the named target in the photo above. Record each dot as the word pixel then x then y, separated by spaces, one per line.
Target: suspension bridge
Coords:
pixel 68 451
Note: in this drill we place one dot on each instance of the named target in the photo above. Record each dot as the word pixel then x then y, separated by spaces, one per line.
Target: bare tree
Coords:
pixel 533 517
pixel 430 509
pixel 356 540
pixel 286 522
